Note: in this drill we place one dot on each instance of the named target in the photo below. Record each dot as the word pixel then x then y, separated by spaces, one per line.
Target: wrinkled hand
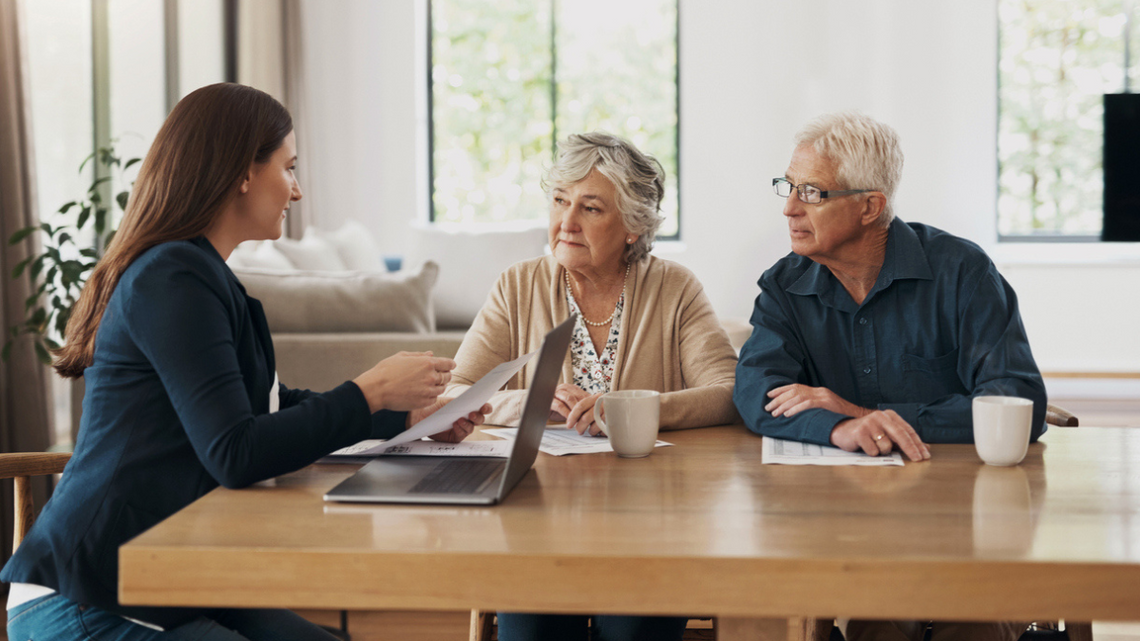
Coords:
pixel 581 416
pixel 789 400
pixel 459 430
pixel 405 381
pixel 877 433
pixel 566 396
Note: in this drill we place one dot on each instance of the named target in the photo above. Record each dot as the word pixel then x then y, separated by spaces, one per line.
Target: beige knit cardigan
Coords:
pixel 671 341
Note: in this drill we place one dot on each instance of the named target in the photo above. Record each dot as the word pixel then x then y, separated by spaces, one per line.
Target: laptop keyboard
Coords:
pixel 457 477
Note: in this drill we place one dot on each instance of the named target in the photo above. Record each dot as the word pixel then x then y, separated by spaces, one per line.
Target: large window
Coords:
pixel 1057 60
pixel 510 78
pixel 99 72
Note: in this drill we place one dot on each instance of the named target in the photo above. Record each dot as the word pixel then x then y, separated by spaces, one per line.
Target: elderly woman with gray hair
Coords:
pixel 643 323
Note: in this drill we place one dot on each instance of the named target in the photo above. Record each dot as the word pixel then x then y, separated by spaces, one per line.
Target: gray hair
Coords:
pixel 865 151
pixel 638 180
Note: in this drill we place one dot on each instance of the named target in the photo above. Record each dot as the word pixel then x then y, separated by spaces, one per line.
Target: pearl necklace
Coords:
pixel 606 322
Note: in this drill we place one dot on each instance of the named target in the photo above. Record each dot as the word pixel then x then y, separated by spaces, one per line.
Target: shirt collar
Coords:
pixel 905 258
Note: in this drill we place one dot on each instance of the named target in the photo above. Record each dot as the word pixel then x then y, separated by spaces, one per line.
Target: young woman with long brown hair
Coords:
pixel 181 390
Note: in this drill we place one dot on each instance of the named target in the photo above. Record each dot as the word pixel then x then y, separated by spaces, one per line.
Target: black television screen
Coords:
pixel 1121 167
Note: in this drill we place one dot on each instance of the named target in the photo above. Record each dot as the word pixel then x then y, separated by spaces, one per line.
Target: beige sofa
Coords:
pixel 335 311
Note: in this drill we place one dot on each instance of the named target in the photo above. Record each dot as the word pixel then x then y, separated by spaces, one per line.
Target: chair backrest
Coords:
pixel 1059 416
pixel 21 467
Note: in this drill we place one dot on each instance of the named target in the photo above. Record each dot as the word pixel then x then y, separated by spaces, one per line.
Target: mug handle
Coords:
pixel 598 415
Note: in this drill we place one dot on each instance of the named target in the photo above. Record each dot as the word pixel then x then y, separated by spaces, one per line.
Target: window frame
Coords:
pixel 1048 237
pixel 430 102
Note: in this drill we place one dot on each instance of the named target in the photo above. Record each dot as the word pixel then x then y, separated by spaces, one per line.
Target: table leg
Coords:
pixel 734 629
pixel 1079 631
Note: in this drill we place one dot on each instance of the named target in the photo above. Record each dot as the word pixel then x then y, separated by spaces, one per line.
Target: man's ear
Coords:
pixel 873 208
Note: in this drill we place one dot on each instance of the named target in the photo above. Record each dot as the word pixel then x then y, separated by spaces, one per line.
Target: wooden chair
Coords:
pixel 21 467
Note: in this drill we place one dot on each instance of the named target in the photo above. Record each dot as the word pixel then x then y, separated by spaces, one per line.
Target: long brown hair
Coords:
pixel 193 170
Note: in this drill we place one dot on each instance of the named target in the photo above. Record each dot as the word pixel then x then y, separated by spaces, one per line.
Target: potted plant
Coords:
pixel 69 253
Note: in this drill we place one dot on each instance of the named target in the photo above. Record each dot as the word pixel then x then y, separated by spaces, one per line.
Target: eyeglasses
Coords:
pixel 808 193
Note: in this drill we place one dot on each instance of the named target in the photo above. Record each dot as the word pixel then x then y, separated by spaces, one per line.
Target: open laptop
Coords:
pixel 466 480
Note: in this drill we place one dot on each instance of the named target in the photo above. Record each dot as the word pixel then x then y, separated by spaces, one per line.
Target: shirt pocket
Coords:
pixel 928 379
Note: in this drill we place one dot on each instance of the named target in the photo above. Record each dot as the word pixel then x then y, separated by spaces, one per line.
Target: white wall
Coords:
pixel 752 72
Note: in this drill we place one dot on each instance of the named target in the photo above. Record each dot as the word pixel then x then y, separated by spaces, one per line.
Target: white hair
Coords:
pixel 638 180
pixel 866 153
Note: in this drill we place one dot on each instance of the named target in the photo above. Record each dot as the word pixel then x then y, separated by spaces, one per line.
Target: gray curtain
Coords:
pixel 24 410
pixel 270 59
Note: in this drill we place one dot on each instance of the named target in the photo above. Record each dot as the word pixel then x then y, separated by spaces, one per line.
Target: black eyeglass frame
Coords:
pixel 776 182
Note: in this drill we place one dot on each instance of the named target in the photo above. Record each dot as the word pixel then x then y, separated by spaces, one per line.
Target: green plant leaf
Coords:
pixel 19 268
pixel 89 252
pixel 131 162
pixel 67 207
pixel 110 236
pixel 61 323
pixel 22 234
pixel 64 238
pixel 38 266
pixel 85 161
pixel 84 214
pixel 51 344
pixel 100 220
pixel 38 317
pixel 122 199
pixel 30 301
pixel 6 352
pixel 48 229
pixel 42 353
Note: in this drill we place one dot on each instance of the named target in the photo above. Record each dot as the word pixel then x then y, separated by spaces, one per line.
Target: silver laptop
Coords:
pixel 466 480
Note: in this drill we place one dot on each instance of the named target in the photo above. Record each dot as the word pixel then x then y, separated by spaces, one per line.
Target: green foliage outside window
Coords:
pixel 495 113
pixel 1057 59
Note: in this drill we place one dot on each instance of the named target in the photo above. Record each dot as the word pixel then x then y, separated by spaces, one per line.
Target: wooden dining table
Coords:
pixel 701 528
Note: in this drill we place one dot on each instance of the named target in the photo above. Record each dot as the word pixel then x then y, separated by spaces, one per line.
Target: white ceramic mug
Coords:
pixel 630 420
pixel 1001 428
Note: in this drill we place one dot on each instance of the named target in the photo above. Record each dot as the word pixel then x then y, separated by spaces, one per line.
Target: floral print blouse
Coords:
pixel 593 373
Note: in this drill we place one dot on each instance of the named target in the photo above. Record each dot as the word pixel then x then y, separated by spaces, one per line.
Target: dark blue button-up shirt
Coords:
pixel 939 327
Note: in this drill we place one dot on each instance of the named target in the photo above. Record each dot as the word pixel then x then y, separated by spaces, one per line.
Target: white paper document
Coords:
pixel 377 447
pixel 560 442
pixel 782 452
pixel 470 400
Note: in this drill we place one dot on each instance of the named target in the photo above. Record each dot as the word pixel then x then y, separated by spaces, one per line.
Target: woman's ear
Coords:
pixel 244 188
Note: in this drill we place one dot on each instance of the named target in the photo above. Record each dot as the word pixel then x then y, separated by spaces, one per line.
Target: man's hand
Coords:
pixel 789 400
pixel 460 429
pixel 878 432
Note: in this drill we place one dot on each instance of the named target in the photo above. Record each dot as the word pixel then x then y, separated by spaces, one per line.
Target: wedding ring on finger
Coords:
pixel 878 437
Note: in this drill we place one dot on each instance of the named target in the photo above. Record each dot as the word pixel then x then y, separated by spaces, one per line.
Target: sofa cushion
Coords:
pixel 354 244
pixel 311 253
pixel 470 263
pixel 258 255
pixel 320 301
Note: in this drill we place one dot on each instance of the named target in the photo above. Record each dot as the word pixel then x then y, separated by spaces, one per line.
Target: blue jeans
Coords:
pixel 568 627
pixel 56 618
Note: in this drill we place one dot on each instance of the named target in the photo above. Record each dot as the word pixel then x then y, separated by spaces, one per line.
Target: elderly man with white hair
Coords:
pixel 874 334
